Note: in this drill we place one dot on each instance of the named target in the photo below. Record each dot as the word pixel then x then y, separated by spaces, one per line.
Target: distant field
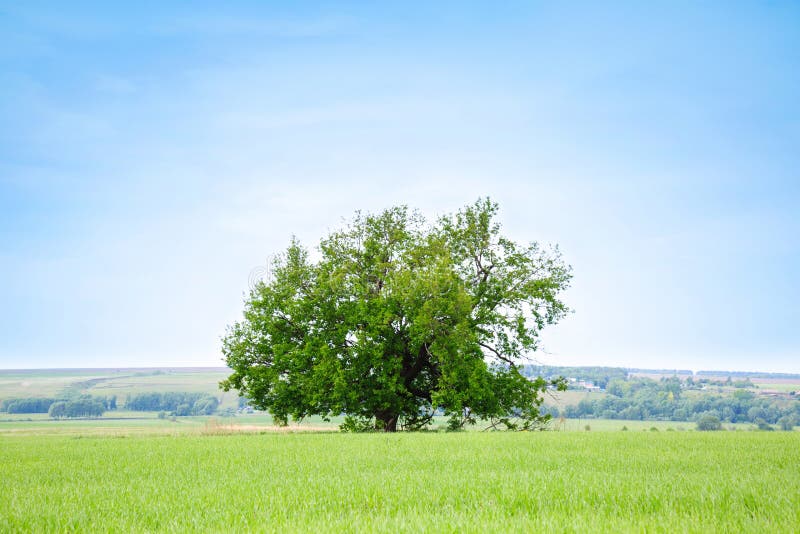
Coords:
pixel 119 382
pixel 40 383
pixel 783 386
pixel 123 423
pixel 570 397
pixel 436 482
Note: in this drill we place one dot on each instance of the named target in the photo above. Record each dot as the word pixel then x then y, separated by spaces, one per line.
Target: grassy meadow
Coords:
pixel 435 482
pixel 133 471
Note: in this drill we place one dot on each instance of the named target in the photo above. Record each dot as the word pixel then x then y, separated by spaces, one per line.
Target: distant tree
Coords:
pixel 85 406
pixel 631 413
pixel 398 319
pixel 671 385
pixel 756 412
pixel 205 406
pixel 709 422
pixel 618 387
pixel 57 410
pixel 166 401
pixel 28 405
pixel 762 424
pixel 787 422
pixel 680 414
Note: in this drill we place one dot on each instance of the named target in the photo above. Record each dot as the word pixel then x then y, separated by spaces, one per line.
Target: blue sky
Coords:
pixel 152 155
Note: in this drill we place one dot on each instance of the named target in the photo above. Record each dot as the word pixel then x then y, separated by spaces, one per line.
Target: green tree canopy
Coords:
pixel 58 410
pixel 709 422
pixel 398 318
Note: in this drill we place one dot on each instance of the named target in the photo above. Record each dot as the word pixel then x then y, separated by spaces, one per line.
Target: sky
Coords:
pixel 154 155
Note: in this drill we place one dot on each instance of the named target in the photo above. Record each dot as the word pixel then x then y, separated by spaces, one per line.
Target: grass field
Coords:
pixel 131 471
pixel 610 425
pixel 435 482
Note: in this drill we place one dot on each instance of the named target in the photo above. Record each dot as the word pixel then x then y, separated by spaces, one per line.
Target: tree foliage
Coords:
pixel 83 406
pixel 787 422
pixel 176 402
pixel 646 399
pixel 58 409
pixel 399 319
pixel 709 422
pixel 27 405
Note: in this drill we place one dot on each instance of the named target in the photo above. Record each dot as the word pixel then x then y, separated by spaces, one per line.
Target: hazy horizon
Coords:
pixel 152 159
pixel 695 372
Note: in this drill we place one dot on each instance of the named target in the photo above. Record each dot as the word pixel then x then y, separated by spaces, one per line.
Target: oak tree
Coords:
pixel 397 319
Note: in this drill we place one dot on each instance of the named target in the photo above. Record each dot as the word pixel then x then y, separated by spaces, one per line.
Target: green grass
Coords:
pixel 130 471
pixel 610 425
pixel 435 482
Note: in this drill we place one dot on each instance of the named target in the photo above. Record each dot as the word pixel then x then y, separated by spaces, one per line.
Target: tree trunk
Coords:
pixel 388 422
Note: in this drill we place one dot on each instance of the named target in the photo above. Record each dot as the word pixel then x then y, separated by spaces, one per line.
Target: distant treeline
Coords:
pixel 42 405
pixel 178 403
pixel 85 406
pixel 32 405
pixel 667 400
pixel 600 376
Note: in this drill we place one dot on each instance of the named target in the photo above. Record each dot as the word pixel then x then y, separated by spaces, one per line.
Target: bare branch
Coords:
pixel 496 353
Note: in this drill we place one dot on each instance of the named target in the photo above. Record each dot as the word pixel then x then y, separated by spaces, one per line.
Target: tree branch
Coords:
pixel 496 353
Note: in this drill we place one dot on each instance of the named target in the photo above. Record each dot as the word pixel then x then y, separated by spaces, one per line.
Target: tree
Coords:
pixel 57 410
pixel 84 406
pixel 787 422
pixel 205 406
pixel 709 422
pixel 762 424
pixel 29 405
pixel 400 318
pixel 756 412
